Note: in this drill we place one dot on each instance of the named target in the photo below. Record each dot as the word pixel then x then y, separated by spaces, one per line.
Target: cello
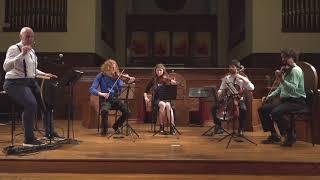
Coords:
pixel 228 103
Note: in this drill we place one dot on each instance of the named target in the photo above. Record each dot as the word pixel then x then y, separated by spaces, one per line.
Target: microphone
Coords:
pixel 60 57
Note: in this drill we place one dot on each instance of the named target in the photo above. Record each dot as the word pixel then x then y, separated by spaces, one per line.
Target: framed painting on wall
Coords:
pixel 161 44
pixel 180 44
pixel 201 44
pixel 138 46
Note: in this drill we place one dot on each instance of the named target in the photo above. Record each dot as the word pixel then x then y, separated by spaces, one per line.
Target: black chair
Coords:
pixel 12 113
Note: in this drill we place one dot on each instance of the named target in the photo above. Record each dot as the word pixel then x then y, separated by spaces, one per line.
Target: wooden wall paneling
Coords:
pixel 172 24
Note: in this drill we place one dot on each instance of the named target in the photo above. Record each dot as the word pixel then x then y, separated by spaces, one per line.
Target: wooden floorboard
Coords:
pixel 62 176
pixel 191 153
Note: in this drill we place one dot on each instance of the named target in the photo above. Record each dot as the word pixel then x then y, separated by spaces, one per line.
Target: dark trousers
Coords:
pixel 242 114
pixel 274 112
pixel 26 93
pixel 116 104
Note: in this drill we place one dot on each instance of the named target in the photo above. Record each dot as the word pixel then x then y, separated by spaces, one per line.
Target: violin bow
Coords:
pixel 116 80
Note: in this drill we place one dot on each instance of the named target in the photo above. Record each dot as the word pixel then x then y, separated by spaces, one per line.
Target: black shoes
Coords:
pixel 161 130
pixel 115 127
pixel 33 143
pixel 240 133
pixel 54 136
pixel 103 132
pixel 289 140
pixel 272 139
pixel 218 130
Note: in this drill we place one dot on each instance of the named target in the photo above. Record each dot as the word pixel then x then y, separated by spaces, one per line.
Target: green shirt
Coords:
pixel 293 84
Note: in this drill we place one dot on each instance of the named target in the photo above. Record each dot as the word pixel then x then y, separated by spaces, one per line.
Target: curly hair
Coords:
pixel 107 67
pixel 290 53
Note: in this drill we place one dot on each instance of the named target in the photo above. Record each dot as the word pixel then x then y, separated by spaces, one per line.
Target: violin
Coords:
pixel 124 77
pixel 283 71
pixel 165 79
pixel 121 76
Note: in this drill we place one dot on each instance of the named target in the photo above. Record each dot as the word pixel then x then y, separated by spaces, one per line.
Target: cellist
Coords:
pixel 292 97
pixel 243 83
pixel 110 81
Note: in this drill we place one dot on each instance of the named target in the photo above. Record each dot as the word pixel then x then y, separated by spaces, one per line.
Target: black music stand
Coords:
pixel 206 92
pixel 70 77
pixel 168 92
pixel 127 92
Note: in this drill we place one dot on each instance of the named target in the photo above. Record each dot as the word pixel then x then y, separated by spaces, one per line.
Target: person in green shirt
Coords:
pixel 292 97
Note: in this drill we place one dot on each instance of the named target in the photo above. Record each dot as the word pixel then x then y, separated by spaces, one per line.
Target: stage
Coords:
pixel 188 153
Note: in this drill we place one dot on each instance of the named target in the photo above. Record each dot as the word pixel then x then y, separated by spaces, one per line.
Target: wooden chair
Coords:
pixel 302 120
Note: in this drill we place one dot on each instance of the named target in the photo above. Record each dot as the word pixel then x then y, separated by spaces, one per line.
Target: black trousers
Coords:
pixel 274 112
pixel 114 103
pixel 242 114
pixel 26 93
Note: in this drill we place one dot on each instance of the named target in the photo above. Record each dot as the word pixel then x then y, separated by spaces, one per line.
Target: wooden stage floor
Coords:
pixel 192 152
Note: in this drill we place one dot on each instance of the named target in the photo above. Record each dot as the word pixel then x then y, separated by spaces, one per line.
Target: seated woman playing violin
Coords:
pixel 242 82
pixel 292 97
pixel 110 81
pixel 160 77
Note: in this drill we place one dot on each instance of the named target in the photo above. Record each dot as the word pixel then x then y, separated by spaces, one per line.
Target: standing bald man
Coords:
pixel 20 66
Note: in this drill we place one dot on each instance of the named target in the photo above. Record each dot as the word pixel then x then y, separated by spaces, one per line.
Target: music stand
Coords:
pixel 168 92
pixel 70 77
pixel 127 92
pixel 208 92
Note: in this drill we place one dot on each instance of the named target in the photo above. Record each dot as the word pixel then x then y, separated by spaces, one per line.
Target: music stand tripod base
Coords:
pixel 168 132
pixel 234 135
pixel 168 93
pixel 209 133
pixel 129 130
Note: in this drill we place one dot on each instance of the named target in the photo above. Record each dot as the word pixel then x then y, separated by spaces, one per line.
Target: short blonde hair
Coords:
pixel 107 67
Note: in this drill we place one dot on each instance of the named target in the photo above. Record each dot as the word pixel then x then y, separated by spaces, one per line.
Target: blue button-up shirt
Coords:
pixel 105 83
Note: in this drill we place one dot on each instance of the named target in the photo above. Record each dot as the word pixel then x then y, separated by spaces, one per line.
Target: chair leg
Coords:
pixel 98 125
